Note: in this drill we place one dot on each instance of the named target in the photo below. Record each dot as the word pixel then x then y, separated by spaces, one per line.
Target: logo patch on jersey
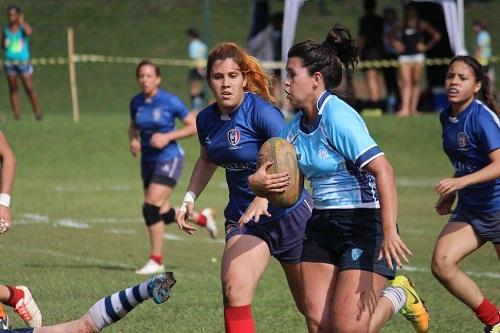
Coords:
pixel 462 141
pixel 356 253
pixel 208 140
pixel 233 135
pixel 322 154
pixel 156 114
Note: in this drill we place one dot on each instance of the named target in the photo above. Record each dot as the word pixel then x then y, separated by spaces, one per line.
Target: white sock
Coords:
pixel 112 308
pixel 396 295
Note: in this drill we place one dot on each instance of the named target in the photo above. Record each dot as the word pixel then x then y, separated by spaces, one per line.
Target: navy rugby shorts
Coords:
pixel 164 172
pixel 486 225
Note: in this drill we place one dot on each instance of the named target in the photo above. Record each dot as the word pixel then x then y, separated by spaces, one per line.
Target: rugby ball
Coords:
pixel 285 160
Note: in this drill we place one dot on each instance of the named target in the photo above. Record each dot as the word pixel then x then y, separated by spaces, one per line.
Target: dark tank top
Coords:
pixel 410 38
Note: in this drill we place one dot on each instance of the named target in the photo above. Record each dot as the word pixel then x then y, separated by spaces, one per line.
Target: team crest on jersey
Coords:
pixel 156 114
pixel 233 135
pixel 322 154
pixel 208 140
pixel 462 141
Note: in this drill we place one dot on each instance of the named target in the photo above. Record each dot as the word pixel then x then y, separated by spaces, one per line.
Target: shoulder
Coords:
pixel 337 109
pixel 137 99
pixel 168 97
pixel 206 113
pixel 483 113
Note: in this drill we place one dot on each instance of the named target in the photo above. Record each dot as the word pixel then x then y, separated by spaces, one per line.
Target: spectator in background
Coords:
pixel 412 47
pixel 482 48
pixel 15 43
pixel 371 48
pixel 197 50
pixel 390 34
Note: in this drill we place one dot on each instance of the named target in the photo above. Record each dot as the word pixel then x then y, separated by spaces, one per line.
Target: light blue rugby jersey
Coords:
pixel 332 153
pixel 467 140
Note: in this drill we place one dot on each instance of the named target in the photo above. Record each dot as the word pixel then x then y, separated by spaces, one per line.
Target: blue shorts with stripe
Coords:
pixel 284 237
pixel 164 172
pixel 346 238
pixel 486 225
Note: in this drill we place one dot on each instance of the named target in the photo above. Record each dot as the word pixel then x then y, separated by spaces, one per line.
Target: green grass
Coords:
pixel 84 173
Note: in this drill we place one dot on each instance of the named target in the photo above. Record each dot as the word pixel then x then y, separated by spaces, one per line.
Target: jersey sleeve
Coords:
pixel 347 133
pixel 269 121
pixel 180 109
pixel 489 130
pixel 200 120
pixel 133 109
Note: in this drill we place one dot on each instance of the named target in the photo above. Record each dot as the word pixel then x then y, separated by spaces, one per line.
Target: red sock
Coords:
pixel 202 220
pixel 15 295
pixel 487 313
pixel 239 319
pixel 158 259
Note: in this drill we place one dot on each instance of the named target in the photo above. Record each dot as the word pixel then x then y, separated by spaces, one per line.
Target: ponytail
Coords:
pixel 338 51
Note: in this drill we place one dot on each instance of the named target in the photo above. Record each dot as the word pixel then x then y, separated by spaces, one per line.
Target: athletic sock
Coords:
pixel 396 295
pixel 156 258
pixel 202 220
pixel 15 295
pixel 239 319
pixel 487 312
pixel 112 308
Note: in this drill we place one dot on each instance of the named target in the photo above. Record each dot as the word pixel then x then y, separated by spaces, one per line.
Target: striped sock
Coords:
pixel 110 309
pixel 396 295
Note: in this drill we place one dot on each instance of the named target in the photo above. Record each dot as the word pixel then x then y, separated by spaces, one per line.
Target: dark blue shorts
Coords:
pixel 165 172
pixel 18 69
pixel 284 237
pixel 486 225
pixel 346 238
pixel 19 330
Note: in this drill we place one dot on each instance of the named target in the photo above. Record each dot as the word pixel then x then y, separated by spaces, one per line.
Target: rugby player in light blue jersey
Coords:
pixel 231 132
pixel 152 116
pixel 352 246
pixel 471 139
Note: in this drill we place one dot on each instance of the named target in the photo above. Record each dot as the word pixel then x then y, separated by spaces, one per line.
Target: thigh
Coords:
pixel 497 248
pixel 456 241
pixel 294 280
pixel 318 281
pixel 244 260
pixel 405 72
pixel 157 194
pixel 416 72
pixel 354 299
pixel 12 81
pixel 27 80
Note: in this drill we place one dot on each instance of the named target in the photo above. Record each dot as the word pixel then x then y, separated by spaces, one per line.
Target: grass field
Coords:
pixel 78 233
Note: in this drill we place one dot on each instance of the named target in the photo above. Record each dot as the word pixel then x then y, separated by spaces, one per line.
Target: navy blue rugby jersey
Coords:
pixel 233 143
pixel 467 140
pixel 157 115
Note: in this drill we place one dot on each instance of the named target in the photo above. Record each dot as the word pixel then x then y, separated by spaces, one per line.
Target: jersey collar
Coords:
pixel 321 100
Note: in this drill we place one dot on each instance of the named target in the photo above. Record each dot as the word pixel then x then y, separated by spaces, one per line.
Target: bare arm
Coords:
pixel 7 181
pixel 392 246
pixel 433 33
pixel 486 174
pixel 133 136
pixel 28 30
pixel 200 176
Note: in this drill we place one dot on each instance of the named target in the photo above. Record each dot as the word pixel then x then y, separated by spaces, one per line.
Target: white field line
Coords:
pixel 94 188
pixel 120 231
pixel 493 275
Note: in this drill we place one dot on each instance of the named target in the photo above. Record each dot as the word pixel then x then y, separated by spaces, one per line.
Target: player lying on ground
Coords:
pixel 107 310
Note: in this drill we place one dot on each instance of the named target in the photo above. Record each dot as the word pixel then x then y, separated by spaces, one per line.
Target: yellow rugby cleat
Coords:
pixel 414 309
pixel 492 329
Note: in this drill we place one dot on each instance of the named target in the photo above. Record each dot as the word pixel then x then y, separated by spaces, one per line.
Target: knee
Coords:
pixel 151 214
pixel 443 268
pixel 13 88
pixel 236 293
pixel 316 318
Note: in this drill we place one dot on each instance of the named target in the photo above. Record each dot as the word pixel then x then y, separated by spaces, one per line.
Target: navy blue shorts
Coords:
pixel 165 172
pixel 486 225
pixel 346 238
pixel 284 237
pixel 19 330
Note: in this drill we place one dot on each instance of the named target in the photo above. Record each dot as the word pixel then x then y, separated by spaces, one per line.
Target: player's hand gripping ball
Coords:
pixel 285 160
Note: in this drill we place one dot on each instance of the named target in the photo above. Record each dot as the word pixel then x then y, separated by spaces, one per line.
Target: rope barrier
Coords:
pixel 97 58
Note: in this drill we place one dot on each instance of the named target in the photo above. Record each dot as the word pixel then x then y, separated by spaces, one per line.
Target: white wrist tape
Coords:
pixel 190 197
pixel 4 199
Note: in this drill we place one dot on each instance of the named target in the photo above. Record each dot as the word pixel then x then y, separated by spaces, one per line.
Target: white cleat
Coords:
pixel 27 309
pixel 211 225
pixel 151 267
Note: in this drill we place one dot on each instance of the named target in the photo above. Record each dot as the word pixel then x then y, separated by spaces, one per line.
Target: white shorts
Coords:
pixel 418 58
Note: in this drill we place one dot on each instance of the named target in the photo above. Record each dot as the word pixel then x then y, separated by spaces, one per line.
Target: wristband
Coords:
pixel 5 200
pixel 190 197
